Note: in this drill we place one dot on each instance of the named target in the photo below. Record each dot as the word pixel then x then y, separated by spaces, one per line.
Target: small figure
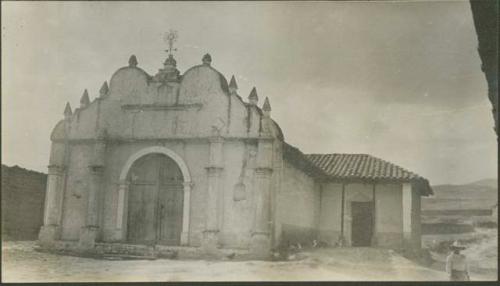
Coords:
pixel 456 264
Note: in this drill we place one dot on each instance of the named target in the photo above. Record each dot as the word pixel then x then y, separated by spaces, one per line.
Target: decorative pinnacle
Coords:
pixel 267 105
pixel 253 95
pixel 170 38
pixel 67 110
pixel 104 89
pixel 207 59
pixel 132 61
pixel 85 100
pixel 232 83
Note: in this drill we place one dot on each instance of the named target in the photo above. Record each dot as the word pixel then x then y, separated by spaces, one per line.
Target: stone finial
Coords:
pixel 104 89
pixel 266 107
pixel 85 100
pixel 67 110
pixel 207 59
pixel 132 61
pixel 253 98
pixel 233 87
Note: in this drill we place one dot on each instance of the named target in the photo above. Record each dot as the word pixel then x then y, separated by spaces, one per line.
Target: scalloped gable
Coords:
pixel 127 80
pixel 199 80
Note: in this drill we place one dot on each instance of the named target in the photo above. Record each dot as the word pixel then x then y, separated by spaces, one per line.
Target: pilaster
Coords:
pixel 214 205
pixel 88 233
pixel 260 240
pixel 50 230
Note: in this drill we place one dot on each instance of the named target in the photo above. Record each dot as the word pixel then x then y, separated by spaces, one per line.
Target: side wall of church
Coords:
pixel 388 211
pixel 331 210
pixel 298 204
pixel 389 215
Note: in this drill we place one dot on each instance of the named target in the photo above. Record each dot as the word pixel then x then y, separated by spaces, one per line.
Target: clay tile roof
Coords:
pixel 365 167
pixel 345 166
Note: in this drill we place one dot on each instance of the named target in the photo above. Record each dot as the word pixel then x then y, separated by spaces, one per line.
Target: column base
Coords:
pixel 48 234
pixel 260 246
pixel 374 240
pixel 88 235
pixel 210 242
pixel 185 238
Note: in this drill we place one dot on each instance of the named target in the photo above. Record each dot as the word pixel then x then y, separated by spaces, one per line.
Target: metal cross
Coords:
pixel 170 38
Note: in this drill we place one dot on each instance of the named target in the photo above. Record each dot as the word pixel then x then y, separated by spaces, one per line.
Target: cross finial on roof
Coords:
pixel 170 38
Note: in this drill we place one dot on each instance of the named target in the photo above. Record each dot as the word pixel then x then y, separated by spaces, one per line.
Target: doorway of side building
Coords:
pixel 155 201
pixel 362 223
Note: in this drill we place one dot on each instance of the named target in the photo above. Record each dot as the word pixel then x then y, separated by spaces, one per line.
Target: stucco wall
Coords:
pixel 388 211
pixel 415 217
pixel 237 216
pixel 75 191
pixel 139 112
pixel 331 210
pixel 298 206
pixel 389 214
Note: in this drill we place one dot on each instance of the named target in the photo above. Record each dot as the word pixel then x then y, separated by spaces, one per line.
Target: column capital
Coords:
pixel 263 170
pixel 214 169
pixel 188 185
pixel 215 139
pixel 266 139
pixel 123 183
pixel 55 169
pixel 257 232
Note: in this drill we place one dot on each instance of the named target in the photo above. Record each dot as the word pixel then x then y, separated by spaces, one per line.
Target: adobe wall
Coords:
pixel 331 211
pixel 23 195
pixel 389 215
pixel 388 212
pixel 298 206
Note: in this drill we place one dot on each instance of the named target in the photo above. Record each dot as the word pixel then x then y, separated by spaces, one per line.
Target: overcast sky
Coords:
pixel 401 81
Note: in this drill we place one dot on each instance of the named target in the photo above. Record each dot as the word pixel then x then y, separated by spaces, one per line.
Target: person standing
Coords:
pixel 456 263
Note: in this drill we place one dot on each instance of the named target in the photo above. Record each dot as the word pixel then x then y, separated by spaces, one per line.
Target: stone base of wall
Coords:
pixel 393 240
pixel 330 237
pixel 298 234
pixel 132 251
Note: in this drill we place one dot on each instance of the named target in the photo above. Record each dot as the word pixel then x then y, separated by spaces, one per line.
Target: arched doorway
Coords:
pixel 155 201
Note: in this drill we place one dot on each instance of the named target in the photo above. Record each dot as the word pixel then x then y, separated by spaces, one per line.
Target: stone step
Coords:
pixel 127 257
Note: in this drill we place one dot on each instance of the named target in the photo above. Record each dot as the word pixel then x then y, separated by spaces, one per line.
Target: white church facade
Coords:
pixel 182 161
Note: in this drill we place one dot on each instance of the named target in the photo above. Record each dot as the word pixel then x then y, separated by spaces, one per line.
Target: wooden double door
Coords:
pixel 155 201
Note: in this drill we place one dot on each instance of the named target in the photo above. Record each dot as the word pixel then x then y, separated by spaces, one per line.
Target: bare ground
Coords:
pixel 21 263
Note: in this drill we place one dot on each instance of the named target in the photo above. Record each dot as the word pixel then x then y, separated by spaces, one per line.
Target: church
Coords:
pixel 182 161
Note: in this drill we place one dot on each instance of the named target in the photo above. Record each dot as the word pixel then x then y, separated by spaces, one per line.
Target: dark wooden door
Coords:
pixel 362 223
pixel 155 201
pixel 170 203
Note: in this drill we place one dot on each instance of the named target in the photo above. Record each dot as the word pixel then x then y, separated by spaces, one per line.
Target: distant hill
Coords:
pixel 481 194
pixel 493 183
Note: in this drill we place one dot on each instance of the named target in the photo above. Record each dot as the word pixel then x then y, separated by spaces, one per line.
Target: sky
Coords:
pixel 398 80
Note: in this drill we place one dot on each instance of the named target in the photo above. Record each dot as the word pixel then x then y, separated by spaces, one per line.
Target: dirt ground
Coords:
pixel 481 251
pixel 21 263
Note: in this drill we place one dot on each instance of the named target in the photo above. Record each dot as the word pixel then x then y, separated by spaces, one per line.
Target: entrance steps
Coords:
pixel 122 251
